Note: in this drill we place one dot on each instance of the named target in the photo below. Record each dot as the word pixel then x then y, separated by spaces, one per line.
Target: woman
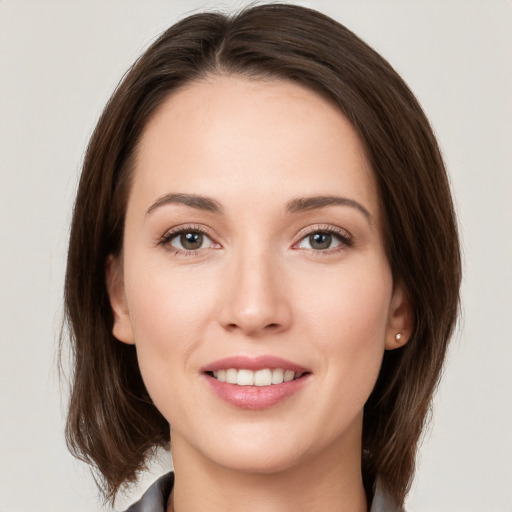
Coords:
pixel 263 270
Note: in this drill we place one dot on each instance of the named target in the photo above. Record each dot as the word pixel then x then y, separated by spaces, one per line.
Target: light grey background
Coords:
pixel 59 62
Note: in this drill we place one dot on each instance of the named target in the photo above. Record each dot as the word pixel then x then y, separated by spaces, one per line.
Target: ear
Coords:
pixel 400 320
pixel 122 328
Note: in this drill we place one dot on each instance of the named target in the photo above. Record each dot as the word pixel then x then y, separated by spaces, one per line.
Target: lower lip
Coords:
pixel 255 397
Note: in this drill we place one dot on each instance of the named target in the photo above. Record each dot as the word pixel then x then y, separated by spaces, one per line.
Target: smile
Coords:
pixel 255 382
pixel 263 377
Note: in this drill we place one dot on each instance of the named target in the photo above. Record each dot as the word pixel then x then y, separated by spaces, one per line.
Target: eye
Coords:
pixel 324 239
pixel 187 240
pixel 319 241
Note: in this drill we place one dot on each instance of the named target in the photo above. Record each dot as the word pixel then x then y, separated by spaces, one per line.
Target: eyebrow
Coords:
pixel 314 202
pixel 192 200
pixel 296 205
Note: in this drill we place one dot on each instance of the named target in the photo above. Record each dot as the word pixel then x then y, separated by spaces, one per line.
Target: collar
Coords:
pixel 155 498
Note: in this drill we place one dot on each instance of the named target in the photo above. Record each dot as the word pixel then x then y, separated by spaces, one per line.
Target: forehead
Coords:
pixel 233 137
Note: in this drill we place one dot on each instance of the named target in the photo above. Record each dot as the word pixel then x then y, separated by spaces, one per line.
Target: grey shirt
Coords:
pixel 155 498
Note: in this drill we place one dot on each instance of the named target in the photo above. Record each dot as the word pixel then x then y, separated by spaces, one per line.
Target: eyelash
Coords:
pixel 165 241
pixel 344 238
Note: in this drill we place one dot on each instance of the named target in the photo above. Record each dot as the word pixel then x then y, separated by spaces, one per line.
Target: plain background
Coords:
pixel 59 62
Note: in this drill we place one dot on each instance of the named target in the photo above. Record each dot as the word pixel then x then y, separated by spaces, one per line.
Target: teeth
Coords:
pixel 264 377
pixel 245 378
pixel 277 376
pixel 232 376
pixel 288 375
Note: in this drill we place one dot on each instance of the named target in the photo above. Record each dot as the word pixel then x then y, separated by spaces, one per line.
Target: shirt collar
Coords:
pixel 155 498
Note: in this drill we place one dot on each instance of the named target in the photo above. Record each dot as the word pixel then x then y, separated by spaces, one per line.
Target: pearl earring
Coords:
pixel 398 336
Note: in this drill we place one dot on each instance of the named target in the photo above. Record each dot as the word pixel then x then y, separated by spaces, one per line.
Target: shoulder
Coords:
pixel 155 498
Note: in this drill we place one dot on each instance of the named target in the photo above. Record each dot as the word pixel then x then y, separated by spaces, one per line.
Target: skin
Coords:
pixel 257 286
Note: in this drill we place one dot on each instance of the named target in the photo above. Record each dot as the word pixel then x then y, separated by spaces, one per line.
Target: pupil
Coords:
pixel 320 240
pixel 191 240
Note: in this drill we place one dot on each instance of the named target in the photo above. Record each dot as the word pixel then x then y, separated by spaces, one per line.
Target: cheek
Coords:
pixel 347 317
pixel 350 303
pixel 169 312
pixel 166 306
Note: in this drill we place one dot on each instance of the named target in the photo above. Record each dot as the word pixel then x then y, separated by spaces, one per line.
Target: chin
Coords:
pixel 264 449
pixel 258 460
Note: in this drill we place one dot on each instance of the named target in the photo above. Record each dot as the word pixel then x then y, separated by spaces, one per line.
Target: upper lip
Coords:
pixel 253 363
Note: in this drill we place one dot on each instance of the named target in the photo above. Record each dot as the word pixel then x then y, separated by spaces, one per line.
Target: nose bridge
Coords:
pixel 255 302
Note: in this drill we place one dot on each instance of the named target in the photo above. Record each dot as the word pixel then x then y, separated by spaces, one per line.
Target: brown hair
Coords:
pixel 112 422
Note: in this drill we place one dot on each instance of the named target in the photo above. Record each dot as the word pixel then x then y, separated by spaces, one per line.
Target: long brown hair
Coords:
pixel 112 422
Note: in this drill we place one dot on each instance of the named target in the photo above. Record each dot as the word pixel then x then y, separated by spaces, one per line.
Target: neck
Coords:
pixel 330 481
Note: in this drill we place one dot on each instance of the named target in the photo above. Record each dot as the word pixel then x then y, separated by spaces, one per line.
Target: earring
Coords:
pixel 398 336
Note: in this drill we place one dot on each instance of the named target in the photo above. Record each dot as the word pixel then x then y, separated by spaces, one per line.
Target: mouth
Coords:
pixel 260 378
pixel 255 382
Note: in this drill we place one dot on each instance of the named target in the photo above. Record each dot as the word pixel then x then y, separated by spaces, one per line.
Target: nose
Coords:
pixel 254 301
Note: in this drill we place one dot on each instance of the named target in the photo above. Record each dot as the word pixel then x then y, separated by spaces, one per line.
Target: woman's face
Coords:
pixel 253 252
